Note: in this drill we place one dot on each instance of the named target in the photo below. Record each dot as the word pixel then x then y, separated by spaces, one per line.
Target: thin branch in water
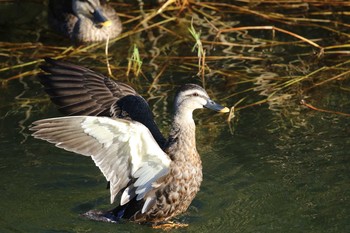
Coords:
pixel 303 102
pixel 273 28
pixel 155 80
pixel 232 114
pixel 337 77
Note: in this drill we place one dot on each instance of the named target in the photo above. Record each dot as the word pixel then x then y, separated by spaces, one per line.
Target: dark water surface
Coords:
pixel 275 171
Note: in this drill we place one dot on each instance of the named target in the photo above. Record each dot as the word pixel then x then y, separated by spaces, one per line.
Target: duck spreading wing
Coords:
pixel 125 151
pixel 80 91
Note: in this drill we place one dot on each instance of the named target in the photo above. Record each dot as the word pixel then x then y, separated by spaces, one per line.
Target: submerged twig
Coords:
pixel 337 77
pixel 303 102
pixel 232 114
pixel 273 28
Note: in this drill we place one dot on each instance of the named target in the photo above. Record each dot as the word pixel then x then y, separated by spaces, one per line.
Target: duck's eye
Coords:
pixel 195 94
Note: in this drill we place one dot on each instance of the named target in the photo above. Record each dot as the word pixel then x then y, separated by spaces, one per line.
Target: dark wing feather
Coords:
pixel 76 89
pixel 80 91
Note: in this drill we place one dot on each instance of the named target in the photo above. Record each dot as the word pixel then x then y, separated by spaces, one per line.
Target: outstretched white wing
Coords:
pixel 123 150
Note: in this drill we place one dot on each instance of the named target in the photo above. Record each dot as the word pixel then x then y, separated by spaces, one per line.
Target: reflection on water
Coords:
pixel 285 170
pixel 264 182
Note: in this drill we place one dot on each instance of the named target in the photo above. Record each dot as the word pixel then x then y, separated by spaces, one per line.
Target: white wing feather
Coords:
pixel 123 150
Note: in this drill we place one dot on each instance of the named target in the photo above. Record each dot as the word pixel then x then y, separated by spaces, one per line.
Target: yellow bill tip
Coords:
pixel 106 23
pixel 224 110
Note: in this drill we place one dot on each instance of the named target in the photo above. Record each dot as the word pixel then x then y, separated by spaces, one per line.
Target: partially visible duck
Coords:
pixel 84 20
pixel 157 179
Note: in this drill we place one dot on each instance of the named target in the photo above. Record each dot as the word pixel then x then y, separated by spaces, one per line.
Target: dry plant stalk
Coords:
pixel 107 60
pixel 273 28
pixel 183 4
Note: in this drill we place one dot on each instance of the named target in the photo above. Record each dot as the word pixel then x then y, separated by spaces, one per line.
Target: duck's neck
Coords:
pixel 182 136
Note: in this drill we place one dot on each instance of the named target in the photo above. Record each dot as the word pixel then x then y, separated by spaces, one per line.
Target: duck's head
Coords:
pixel 92 10
pixel 191 96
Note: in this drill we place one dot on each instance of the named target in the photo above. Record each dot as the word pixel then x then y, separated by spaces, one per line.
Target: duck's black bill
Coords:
pixel 100 20
pixel 215 106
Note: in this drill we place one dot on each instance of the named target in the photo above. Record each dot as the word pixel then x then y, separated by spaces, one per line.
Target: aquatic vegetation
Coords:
pixel 263 52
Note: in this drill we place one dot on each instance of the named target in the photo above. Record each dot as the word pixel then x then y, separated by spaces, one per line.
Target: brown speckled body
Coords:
pixel 180 186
